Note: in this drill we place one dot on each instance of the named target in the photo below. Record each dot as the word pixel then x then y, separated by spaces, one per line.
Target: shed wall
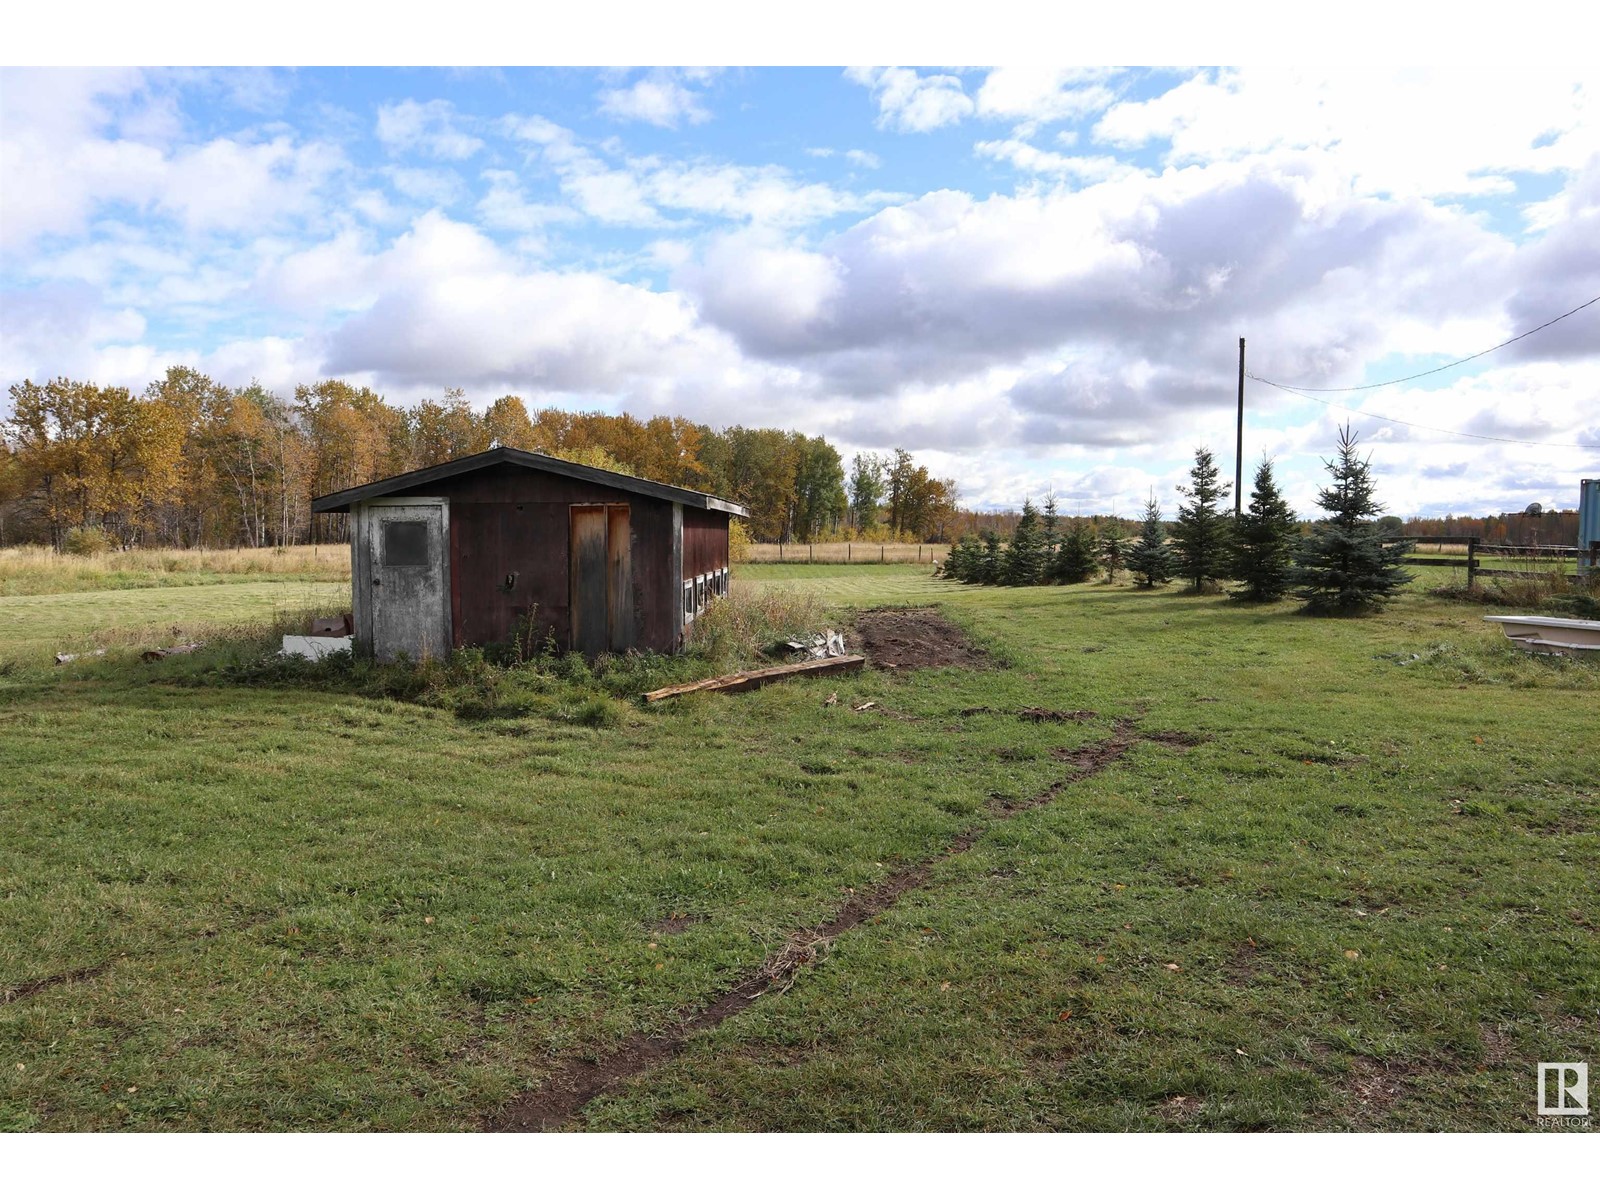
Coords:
pixel 506 520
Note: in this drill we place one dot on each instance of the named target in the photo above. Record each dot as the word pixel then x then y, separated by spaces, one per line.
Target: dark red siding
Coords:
pixel 705 541
pixel 509 521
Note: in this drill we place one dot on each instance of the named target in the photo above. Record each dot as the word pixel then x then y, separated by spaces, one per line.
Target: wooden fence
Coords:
pixel 927 553
pixel 1473 553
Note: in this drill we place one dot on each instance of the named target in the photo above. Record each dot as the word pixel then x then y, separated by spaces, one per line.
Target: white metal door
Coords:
pixel 408 578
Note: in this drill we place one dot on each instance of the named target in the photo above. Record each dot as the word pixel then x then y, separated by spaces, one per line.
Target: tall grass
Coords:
pixel 39 570
pixel 738 626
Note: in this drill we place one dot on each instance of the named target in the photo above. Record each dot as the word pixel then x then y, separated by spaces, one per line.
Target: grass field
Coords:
pixel 1278 873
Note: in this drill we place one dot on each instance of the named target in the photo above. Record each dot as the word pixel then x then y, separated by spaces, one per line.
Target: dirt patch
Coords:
pixel 1181 1108
pixel 1177 739
pixel 676 922
pixel 577 1079
pixel 1041 715
pixel 1497 1046
pixel 1097 756
pixel 1375 1086
pixel 901 639
pixel 22 991
pixel 1241 969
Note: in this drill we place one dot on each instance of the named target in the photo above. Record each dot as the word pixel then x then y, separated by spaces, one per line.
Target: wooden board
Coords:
pixel 745 681
pixel 619 577
pixel 587 567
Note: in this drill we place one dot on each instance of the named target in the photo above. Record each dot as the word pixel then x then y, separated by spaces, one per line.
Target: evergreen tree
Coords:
pixel 1114 547
pixel 1075 561
pixel 1151 557
pixel 1202 535
pixel 1263 544
pixel 988 566
pixel 1024 562
pixel 962 562
pixel 1343 566
pixel 1050 519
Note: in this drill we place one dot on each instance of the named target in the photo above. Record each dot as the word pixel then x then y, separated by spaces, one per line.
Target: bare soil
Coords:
pixel 903 639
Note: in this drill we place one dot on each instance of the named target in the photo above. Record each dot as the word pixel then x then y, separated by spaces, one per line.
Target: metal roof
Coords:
pixel 341 501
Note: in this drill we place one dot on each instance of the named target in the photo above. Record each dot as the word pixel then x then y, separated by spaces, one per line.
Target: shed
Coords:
pixel 509 545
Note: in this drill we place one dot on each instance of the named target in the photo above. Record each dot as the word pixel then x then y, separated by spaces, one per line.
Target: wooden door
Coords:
pixel 404 589
pixel 600 567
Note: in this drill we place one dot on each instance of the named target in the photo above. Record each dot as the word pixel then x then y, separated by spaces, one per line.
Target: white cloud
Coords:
pixel 1026 157
pixel 504 206
pixel 1436 132
pixel 913 103
pixel 1039 95
pixel 426 184
pixel 636 192
pixel 428 128
pixel 864 158
pixel 658 99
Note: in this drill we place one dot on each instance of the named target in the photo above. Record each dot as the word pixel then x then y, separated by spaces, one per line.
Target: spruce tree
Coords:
pixel 1074 563
pixel 1343 565
pixel 1114 547
pixel 1202 534
pixel 1151 557
pixel 1049 520
pixel 1264 542
pixel 988 564
pixel 1024 560
pixel 961 563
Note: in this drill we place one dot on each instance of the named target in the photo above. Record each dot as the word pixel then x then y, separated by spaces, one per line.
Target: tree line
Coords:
pixel 192 462
pixel 1346 562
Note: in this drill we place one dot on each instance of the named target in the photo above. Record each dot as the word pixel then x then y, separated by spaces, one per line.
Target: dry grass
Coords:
pixel 38 570
pixel 847 552
pixel 747 620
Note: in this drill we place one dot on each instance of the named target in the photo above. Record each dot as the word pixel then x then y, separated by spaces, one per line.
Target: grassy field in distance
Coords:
pixel 1336 874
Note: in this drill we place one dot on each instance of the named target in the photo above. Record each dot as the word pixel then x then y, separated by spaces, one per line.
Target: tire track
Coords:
pixel 577 1080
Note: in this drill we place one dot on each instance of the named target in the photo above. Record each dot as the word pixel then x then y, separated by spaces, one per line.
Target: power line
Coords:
pixel 1367 387
pixel 1482 437
pixel 1305 392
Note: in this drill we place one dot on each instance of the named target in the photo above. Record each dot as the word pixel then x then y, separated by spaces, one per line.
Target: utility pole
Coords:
pixel 1238 454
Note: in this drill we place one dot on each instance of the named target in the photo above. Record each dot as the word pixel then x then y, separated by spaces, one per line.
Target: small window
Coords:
pixel 688 601
pixel 699 593
pixel 405 543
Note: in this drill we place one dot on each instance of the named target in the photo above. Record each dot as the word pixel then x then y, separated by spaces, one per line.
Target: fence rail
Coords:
pixel 847 552
pixel 1536 560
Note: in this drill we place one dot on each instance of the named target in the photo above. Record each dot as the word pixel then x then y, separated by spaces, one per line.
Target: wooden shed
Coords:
pixel 508 544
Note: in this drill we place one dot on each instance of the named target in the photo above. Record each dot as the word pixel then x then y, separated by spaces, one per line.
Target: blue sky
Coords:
pixel 1031 278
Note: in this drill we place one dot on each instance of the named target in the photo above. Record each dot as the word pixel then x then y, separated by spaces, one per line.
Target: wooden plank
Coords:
pixel 745 681
pixel 619 577
pixel 587 559
pixel 1460 561
pixel 1538 573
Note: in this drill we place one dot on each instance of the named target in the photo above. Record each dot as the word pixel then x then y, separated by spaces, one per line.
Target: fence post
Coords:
pixel 811 552
pixel 780 551
pixel 882 550
pixel 919 551
pixel 1472 562
pixel 848 548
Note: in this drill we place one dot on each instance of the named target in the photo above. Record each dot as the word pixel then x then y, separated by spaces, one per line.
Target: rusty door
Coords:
pixel 600 558
pixel 405 587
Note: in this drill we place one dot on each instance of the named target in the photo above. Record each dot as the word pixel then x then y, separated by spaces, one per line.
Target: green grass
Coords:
pixel 35 627
pixel 300 907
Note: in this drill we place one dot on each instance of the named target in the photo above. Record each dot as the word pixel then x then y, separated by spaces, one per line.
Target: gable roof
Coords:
pixel 341 501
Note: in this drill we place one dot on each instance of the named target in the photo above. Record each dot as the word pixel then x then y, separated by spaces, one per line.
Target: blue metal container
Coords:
pixel 1588 519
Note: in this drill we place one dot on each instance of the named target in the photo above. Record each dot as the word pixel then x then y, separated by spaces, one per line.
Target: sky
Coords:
pixel 1031 278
